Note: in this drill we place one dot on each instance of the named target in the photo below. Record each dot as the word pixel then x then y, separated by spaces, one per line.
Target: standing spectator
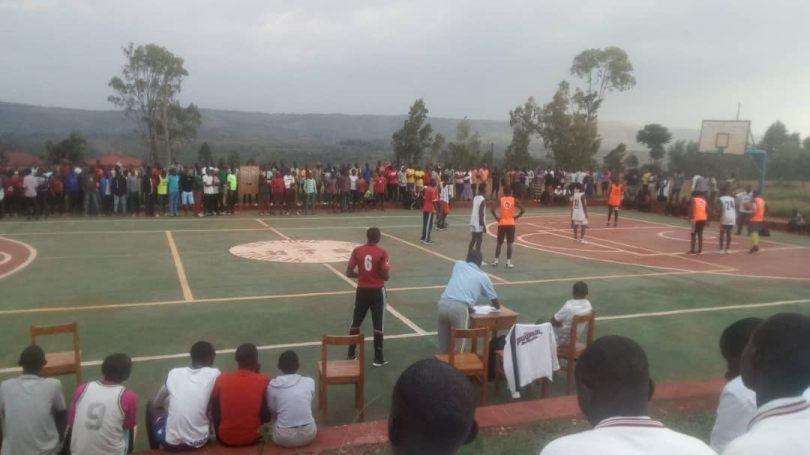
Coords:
pixel 178 417
pixel 776 366
pixel 30 185
pixel 119 190
pixel 264 190
pixel 310 189
pixel 392 183
pixel 198 191
pixel 432 410
pixel 613 391
pixel 187 191
pixel 757 220
pixel 43 185
pixel 238 401
pixel 277 192
pixel 403 184
pixel 429 198
pixel 605 181
pixel 74 190
pixel 738 403
pixel 289 399
pixel 345 188
pixel 744 198
pixel 163 192
pixel 148 192
pixel 56 193
pixel 209 192
pixel 379 191
pixel 105 188
pixel 496 184
pixel 233 183
pixel 32 409
pixel 174 191
pixel 133 191
pixel 102 413
pixel 483 177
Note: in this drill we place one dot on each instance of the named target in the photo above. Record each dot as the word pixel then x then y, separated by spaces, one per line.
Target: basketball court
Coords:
pixel 151 287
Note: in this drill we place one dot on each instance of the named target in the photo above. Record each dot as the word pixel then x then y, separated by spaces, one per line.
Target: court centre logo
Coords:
pixel 296 251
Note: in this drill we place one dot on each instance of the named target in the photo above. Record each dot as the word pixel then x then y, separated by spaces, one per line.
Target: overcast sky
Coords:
pixel 693 59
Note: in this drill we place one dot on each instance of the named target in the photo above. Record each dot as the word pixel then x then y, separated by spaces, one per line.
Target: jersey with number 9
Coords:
pixel 371 261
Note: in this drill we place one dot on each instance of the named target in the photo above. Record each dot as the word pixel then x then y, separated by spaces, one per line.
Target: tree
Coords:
pixel 654 136
pixel 70 149
pixel 204 154
pixel 568 124
pixel 524 121
pixel 147 90
pixel 415 136
pixel 465 151
pixel 614 160
pixel 631 162
pixel 604 70
pixel 783 150
pixel 438 153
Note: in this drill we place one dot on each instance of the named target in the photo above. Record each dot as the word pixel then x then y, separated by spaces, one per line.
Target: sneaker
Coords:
pixel 494 263
pixel 691 253
pixel 379 363
pixel 721 251
pixel 483 263
pixel 509 265
pixel 753 249
pixel 583 241
pixel 428 242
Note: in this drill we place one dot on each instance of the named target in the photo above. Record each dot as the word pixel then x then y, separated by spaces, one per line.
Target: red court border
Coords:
pixel 14 256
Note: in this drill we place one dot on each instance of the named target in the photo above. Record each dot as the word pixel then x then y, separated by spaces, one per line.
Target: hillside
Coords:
pixel 261 135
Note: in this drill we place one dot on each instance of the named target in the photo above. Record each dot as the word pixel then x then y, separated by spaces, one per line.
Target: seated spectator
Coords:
pixel 796 223
pixel 289 399
pixel 237 400
pixel 776 365
pixel 432 410
pixel 177 419
pixel 102 413
pixel 738 403
pixel 32 409
pixel 613 391
pixel 564 318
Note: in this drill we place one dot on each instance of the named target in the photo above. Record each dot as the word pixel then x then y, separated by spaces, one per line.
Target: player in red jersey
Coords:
pixel 372 266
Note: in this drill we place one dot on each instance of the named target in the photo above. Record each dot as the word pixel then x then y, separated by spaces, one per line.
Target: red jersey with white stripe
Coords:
pixel 371 261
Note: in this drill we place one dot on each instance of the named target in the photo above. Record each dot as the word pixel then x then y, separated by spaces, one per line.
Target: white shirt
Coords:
pixel 737 406
pixel 729 207
pixel 779 427
pixel 189 393
pixel 534 348
pixel 444 196
pixel 742 198
pixel 628 436
pixel 474 216
pixel 208 184
pixel 353 182
pixel 289 398
pixel 571 308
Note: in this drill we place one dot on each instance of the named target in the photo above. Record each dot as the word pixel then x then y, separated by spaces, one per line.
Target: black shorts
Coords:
pixel 369 299
pixel 508 232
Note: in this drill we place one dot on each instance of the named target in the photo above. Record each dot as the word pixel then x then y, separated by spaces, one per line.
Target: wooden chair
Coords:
pixel 500 374
pixel 341 371
pixel 59 363
pixel 473 363
pixel 570 352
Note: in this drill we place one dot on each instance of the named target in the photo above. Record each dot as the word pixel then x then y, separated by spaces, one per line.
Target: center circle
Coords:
pixel 296 251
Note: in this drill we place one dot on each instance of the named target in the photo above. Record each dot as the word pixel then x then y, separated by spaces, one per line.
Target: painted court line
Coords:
pixel 701 310
pixel 32 254
pixel 447 258
pixel 418 335
pixel 268 347
pixel 181 271
pixel 322 294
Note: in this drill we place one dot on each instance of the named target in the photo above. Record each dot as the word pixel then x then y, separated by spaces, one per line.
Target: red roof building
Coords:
pixel 18 158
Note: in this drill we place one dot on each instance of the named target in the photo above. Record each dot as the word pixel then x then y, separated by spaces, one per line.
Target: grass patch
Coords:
pixel 783 197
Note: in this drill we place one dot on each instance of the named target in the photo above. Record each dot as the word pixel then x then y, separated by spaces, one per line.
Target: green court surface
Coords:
pixel 152 287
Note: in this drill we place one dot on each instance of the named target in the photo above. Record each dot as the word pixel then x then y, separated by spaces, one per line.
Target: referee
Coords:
pixel 372 266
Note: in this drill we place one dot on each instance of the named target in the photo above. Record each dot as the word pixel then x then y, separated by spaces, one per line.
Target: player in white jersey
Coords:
pixel 478 219
pixel 579 213
pixel 102 415
pixel 728 218
pixel 444 205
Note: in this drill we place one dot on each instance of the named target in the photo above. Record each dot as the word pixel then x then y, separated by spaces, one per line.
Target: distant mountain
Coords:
pixel 264 136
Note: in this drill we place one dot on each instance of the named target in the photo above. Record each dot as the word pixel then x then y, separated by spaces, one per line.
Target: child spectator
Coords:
pixel 796 223
pixel 238 400
pixel 563 318
pixel 738 403
pixel 32 409
pixel 432 410
pixel 289 399
pixel 177 418
pixel 102 413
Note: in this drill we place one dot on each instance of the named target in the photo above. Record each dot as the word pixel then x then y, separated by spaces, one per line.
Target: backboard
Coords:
pixel 724 136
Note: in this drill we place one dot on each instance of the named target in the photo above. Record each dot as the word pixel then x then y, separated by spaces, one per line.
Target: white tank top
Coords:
pixel 476 206
pixel 729 207
pixel 577 210
pixel 98 426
